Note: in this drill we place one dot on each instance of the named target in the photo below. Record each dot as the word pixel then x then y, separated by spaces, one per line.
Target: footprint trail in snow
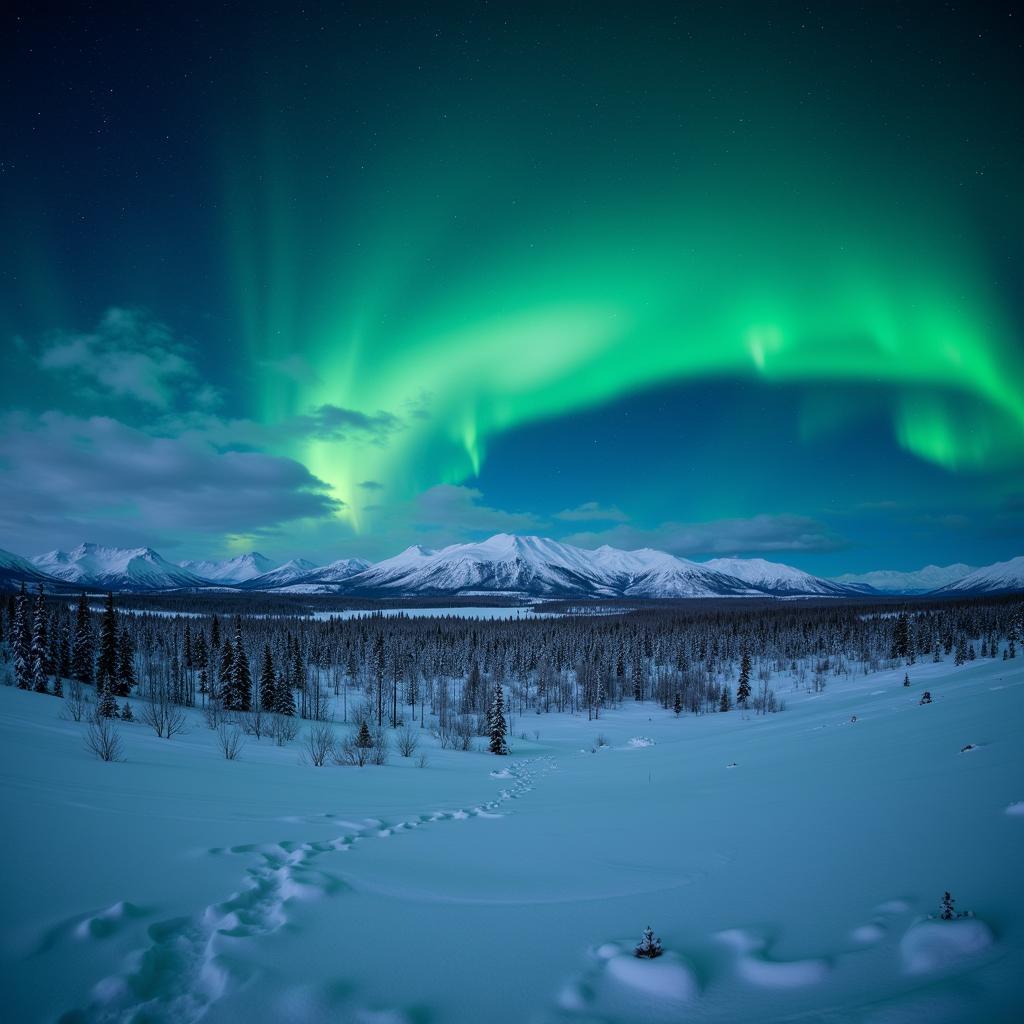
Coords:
pixel 190 962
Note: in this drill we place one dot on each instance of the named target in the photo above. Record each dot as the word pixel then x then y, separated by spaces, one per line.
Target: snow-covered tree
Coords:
pixel 21 642
pixel 743 687
pixel 649 946
pixel 496 722
pixel 37 653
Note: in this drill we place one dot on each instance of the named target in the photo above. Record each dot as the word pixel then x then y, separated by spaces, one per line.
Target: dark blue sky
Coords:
pixel 721 279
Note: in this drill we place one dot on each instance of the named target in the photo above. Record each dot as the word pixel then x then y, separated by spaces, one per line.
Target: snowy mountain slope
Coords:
pixel 336 572
pixel 921 581
pixel 540 567
pixel 776 578
pixel 292 570
pixel 1000 577
pixel 232 570
pixel 93 565
pixel 14 570
pixel 502 564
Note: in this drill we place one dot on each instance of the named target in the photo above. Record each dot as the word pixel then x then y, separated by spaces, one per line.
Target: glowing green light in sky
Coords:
pixel 540 310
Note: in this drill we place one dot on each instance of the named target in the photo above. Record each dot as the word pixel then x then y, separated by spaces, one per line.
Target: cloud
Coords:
pixel 592 511
pixel 370 485
pixel 129 355
pixel 457 508
pixel 333 423
pixel 295 367
pixel 762 533
pixel 60 471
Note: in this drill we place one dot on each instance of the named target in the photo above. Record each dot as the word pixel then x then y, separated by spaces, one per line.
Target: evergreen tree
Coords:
pixel 125 664
pixel 106 663
pixel 126 713
pixel 901 636
pixel 947 911
pixel 363 738
pixel 58 686
pixel 906 678
pixel 648 947
pixel 496 722
pixel 677 704
pixel 743 688
pixel 21 642
pixel 227 667
pixel 84 652
pixel 268 681
pixel 37 653
pixel 107 706
pixel 240 689
pixel 284 697
pixel 725 704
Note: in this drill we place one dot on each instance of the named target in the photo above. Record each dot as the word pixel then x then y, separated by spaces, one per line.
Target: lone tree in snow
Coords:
pixel 926 697
pixel 947 910
pixel 363 739
pixel 648 947
pixel 906 678
pixel 496 722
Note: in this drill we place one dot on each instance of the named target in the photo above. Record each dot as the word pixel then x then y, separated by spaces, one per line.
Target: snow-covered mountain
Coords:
pixel 501 564
pixel 540 567
pixel 283 575
pixel 14 570
pixel 776 578
pixel 1000 577
pixel 232 570
pixel 920 581
pixel 106 568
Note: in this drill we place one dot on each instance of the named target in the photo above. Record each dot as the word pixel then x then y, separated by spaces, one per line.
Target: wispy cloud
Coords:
pixel 129 355
pixel 593 511
pixel 762 533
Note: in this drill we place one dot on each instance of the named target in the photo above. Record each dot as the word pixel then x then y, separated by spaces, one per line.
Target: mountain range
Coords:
pixel 504 564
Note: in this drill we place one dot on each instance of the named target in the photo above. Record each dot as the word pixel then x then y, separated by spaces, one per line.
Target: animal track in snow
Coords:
pixel 191 961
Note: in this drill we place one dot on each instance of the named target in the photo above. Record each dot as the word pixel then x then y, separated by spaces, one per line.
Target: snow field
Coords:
pixel 179 886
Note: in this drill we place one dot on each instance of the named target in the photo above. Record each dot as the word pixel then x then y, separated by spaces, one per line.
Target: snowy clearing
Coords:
pixel 179 886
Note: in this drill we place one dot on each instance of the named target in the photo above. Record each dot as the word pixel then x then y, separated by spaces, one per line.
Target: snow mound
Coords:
pixel 1016 809
pixel 640 741
pixel 665 979
pixel 754 967
pixel 867 934
pixel 934 945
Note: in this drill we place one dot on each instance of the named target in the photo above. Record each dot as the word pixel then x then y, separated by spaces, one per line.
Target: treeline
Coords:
pixel 444 671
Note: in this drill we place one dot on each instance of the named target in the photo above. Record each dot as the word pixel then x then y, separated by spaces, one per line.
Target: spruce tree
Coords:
pixel 743 688
pixel 106 663
pixel 725 704
pixel 241 678
pixel 37 653
pixel 363 738
pixel 107 705
pixel 82 662
pixel 677 704
pixel 125 664
pixel 496 722
pixel 21 642
pixel 268 681
pixel 284 697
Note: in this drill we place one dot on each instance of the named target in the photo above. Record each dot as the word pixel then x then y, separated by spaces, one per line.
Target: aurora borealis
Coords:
pixel 607 272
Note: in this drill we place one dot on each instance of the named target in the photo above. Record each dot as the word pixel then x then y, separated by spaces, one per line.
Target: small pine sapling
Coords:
pixel 126 713
pixel 906 678
pixel 926 697
pixel 649 947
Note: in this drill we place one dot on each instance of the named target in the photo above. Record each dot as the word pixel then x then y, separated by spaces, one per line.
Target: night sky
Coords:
pixel 738 278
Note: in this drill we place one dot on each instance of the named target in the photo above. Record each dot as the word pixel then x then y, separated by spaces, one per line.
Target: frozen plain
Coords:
pixel 786 862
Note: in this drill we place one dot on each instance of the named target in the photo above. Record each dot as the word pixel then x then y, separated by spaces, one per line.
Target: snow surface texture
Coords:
pixel 179 886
